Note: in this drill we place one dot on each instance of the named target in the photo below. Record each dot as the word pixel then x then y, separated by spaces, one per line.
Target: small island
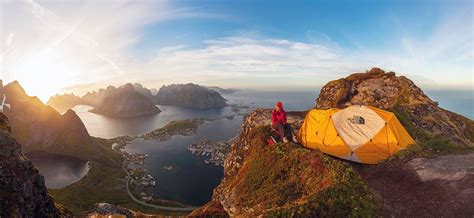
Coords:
pixel 180 127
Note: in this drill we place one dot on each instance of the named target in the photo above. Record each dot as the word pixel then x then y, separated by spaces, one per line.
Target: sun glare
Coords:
pixel 44 74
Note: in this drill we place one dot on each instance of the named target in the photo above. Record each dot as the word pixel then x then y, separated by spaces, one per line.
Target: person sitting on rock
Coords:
pixel 279 123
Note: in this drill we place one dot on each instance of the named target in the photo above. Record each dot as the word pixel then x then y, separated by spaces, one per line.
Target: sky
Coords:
pixel 80 45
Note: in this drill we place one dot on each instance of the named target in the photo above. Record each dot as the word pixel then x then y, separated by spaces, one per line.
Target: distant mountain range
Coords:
pixel 131 100
pixel 124 101
pixel 40 127
pixel 190 95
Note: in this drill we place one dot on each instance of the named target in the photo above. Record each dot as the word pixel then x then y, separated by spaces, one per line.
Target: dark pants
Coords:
pixel 283 129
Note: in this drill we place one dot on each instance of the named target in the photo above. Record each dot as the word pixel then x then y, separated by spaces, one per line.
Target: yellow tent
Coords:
pixel 358 133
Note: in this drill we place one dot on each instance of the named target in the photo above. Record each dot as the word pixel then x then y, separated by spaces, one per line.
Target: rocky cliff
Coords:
pixel 22 189
pixel 284 179
pixel 190 95
pixel 420 115
pixel 123 101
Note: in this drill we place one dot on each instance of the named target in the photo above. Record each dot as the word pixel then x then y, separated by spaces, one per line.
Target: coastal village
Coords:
pixel 215 151
pixel 140 178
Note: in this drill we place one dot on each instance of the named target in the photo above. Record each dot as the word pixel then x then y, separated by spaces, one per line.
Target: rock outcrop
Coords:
pixel 418 113
pixel 62 103
pixel 22 189
pixel 122 102
pixel 284 179
pixel 189 95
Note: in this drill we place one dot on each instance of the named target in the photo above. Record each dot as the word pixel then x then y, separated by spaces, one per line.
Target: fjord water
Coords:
pixel 58 170
pixel 191 181
pixel 459 101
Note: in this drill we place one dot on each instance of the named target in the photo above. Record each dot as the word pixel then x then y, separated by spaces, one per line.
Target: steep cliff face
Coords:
pixel 22 189
pixel 418 113
pixel 189 95
pixel 284 179
pixel 124 101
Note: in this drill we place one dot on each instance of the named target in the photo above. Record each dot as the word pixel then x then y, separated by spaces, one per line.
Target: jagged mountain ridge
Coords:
pixel 132 104
pixel 190 95
pixel 62 103
pixel 40 127
pixel 123 101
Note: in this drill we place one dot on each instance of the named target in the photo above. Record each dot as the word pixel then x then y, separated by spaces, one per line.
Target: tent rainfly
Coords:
pixel 362 134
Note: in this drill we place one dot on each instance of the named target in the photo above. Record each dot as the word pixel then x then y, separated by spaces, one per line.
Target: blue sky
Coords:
pixel 350 24
pixel 249 44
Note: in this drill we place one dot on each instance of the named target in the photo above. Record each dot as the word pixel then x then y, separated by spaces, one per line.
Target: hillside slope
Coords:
pixel 285 179
pixel 40 127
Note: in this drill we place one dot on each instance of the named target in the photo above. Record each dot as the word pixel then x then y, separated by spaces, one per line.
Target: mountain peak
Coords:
pixel 401 96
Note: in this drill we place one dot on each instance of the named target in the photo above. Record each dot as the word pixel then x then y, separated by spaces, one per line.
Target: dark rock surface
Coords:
pixel 22 189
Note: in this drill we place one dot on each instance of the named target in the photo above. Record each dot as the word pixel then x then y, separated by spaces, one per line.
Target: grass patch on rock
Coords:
pixel 289 180
pixel 427 145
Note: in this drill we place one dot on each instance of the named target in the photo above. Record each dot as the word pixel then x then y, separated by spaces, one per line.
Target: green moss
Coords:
pixel 427 145
pixel 301 182
pixel 433 147
pixel 349 196
pixel 183 124
pixel 417 133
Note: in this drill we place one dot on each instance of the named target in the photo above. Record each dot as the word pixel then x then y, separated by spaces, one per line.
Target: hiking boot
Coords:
pixel 295 140
pixel 285 140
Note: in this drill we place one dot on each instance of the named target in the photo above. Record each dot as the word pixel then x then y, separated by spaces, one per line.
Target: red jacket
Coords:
pixel 278 117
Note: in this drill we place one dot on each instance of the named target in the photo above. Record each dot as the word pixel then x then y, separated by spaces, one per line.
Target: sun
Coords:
pixel 44 74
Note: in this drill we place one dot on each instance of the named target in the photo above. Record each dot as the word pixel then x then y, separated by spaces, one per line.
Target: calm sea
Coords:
pixel 191 181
